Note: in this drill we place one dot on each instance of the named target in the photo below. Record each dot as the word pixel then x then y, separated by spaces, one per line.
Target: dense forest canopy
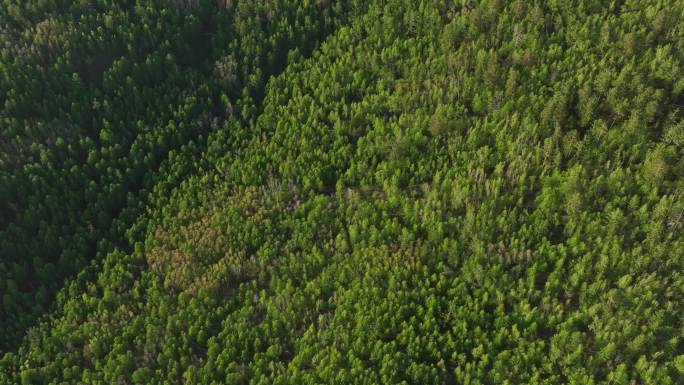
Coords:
pixel 333 192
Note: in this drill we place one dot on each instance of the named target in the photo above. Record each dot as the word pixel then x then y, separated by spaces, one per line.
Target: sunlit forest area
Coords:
pixel 341 192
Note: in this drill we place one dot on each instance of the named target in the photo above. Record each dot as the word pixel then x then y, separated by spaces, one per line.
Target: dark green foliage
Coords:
pixel 93 110
pixel 437 193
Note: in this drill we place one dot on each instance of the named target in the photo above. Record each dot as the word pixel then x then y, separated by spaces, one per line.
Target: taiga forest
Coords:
pixel 273 192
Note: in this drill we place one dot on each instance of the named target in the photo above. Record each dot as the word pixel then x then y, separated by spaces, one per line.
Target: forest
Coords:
pixel 342 192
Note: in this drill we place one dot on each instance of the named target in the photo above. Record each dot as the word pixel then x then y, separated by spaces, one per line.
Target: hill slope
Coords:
pixel 439 193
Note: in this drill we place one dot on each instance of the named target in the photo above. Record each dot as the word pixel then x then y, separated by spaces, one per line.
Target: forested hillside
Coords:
pixel 341 192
